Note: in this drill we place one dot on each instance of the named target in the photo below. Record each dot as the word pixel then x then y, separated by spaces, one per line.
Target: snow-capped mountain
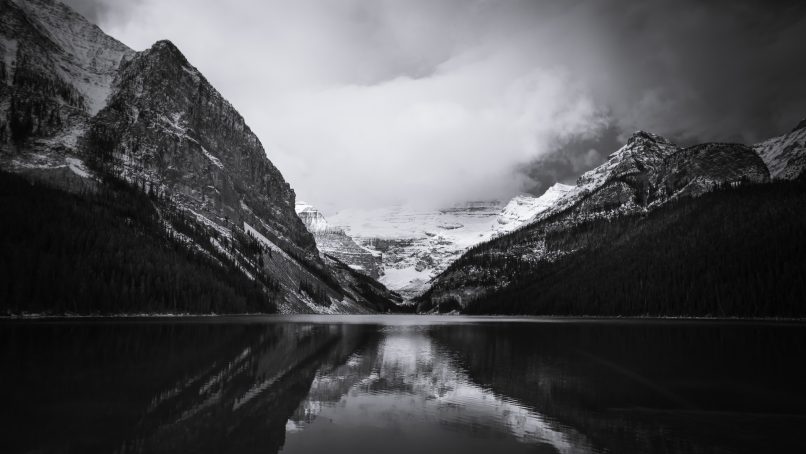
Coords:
pixel 78 108
pixel 648 171
pixel 417 244
pixel 313 219
pixel 645 174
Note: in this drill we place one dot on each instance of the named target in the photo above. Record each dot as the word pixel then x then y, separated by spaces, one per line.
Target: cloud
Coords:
pixel 102 11
pixel 366 103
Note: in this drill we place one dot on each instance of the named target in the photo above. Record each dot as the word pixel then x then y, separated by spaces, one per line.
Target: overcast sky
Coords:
pixel 367 103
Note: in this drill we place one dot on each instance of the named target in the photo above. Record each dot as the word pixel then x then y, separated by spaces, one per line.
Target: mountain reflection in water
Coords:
pixel 408 387
pixel 402 384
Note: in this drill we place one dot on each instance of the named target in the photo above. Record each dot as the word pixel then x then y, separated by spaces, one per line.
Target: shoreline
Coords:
pixel 370 318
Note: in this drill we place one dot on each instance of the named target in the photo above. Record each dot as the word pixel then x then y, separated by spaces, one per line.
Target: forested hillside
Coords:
pixel 108 251
pixel 733 252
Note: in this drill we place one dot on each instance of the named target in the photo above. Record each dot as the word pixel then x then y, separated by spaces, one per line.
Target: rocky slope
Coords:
pixel 733 252
pixel 333 241
pixel 647 173
pixel 785 155
pixel 79 109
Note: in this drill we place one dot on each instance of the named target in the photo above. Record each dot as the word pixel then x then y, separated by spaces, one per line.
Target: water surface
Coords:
pixel 401 384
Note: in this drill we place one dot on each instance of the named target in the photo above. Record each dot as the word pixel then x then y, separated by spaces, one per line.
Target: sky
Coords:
pixel 367 103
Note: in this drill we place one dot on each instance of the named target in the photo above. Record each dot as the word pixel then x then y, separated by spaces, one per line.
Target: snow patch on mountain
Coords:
pixel 524 208
pixel 417 244
pixel 212 158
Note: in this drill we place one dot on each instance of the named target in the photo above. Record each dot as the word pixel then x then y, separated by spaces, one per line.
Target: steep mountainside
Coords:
pixel 732 252
pixel 81 111
pixel 57 71
pixel 646 174
pixel 107 251
pixel 785 155
pixel 333 241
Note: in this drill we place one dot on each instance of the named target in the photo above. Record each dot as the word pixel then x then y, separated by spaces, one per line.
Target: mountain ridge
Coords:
pixel 646 174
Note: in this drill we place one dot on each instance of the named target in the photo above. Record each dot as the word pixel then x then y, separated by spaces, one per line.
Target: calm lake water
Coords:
pixel 401 384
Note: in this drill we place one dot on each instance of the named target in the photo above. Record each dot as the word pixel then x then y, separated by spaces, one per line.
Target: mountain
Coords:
pixel 416 244
pixel 785 155
pixel 334 242
pixel 658 229
pixel 82 112
pixel 524 208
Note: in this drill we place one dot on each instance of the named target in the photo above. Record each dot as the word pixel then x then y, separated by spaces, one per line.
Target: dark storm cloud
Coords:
pixel 567 163
pixel 478 99
pixel 713 70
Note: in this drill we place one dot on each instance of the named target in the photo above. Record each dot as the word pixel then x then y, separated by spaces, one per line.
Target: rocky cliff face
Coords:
pixel 785 155
pixel 167 126
pixel 57 71
pixel 78 108
pixel 696 170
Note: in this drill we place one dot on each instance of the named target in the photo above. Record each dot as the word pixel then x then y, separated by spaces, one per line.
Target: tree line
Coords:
pixel 732 252
pixel 107 251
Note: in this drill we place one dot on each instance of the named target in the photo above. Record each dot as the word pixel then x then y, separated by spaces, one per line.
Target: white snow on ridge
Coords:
pixel 405 278
pixel 524 208
pixel 43 162
pixel 312 217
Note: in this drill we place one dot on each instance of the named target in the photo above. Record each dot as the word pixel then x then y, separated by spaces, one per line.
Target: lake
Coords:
pixel 401 384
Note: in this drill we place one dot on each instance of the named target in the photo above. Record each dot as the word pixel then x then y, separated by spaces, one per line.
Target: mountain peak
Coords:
pixel 165 44
pixel 641 136
pixel 801 125
pixel 166 47
pixel 312 218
